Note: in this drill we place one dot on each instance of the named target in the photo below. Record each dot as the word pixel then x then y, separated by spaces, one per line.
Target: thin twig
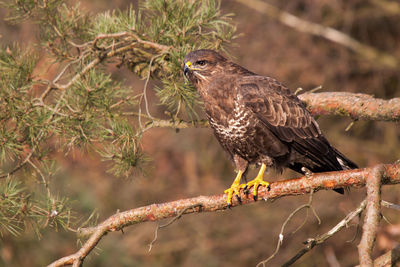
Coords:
pixel 107 36
pixel 312 242
pixel 151 44
pixel 390 205
pixel 144 95
pixel 291 215
pixel 45 182
pixel 19 166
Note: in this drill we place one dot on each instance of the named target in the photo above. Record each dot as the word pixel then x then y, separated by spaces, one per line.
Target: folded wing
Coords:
pixel 287 118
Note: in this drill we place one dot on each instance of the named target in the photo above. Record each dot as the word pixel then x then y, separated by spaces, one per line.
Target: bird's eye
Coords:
pixel 201 62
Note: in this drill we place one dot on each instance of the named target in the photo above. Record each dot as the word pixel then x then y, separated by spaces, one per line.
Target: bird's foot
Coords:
pixel 257 182
pixel 234 189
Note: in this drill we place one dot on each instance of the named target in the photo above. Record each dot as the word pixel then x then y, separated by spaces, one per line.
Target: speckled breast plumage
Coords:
pixel 238 134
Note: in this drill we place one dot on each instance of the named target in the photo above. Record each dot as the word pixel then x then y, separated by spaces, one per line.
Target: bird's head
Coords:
pixel 202 64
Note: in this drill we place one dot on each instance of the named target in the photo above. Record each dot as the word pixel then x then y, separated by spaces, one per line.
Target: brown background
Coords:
pixel 191 162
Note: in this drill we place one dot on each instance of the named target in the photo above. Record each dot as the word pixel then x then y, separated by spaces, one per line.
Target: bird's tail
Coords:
pixel 344 162
pixel 337 162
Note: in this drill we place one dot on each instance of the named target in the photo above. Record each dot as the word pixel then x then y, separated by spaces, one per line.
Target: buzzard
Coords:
pixel 257 120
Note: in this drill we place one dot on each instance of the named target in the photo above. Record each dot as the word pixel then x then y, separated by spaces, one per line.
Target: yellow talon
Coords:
pixel 258 181
pixel 235 188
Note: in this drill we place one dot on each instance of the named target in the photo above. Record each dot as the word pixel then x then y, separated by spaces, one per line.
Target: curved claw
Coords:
pixel 233 190
pixel 258 181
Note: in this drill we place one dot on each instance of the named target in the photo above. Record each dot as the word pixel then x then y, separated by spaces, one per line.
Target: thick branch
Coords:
pixel 372 216
pixel 154 212
pixel 357 106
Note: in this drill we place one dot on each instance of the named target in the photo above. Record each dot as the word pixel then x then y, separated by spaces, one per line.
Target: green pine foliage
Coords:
pixel 83 107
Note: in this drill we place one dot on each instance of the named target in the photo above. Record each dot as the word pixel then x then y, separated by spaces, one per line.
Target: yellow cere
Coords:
pixel 188 64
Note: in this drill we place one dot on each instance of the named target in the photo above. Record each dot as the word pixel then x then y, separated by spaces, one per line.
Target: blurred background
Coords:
pixel 190 162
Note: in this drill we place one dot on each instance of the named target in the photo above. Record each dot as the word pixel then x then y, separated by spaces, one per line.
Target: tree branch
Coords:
pixel 357 106
pixel 154 212
pixel 372 216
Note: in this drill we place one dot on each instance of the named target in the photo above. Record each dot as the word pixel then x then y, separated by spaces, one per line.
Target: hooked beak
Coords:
pixel 186 68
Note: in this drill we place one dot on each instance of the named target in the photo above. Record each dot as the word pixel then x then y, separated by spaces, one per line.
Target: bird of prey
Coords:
pixel 257 120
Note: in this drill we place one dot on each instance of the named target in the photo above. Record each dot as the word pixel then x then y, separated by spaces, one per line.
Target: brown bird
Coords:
pixel 257 120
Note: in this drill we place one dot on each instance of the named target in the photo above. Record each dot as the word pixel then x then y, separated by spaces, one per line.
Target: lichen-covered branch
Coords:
pixel 154 212
pixel 372 216
pixel 357 106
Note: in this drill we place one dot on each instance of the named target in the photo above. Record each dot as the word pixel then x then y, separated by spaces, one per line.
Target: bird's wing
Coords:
pixel 287 118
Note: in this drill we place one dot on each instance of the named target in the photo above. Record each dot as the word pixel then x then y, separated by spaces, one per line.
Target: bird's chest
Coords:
pixel 234 126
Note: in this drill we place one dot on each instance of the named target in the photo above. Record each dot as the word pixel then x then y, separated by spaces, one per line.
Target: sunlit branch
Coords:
pixel 155 212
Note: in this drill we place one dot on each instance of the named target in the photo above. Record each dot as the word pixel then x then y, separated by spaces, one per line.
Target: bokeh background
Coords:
pixel 190 162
